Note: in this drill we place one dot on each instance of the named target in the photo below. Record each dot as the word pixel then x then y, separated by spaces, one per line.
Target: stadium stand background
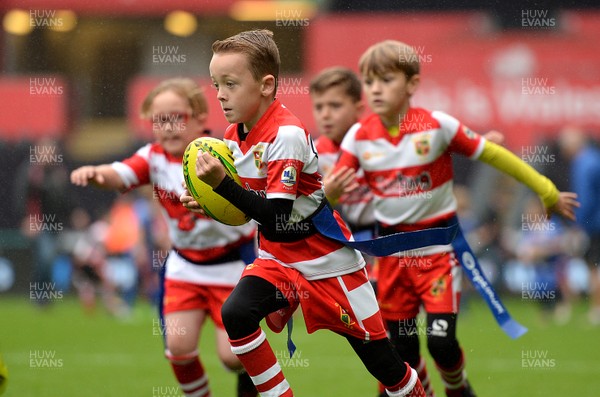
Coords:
pixel 481 62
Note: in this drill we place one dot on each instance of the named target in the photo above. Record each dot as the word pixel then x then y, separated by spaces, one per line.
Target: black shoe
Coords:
pixel 245 387
pixel 468 391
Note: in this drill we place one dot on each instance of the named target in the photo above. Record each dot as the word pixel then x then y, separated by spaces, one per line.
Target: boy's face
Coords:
pixel 335 111
pixel 242 98
pixel 172 122
pixel 389 95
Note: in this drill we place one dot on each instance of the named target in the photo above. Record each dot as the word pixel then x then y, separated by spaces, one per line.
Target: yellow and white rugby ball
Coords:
pixel 212 203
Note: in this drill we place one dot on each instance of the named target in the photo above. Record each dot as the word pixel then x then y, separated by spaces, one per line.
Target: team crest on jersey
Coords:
pixel 261 166
pixel 438 287
pixel 345 317
pixel 422 145
pixel 288 176
pixel 467 131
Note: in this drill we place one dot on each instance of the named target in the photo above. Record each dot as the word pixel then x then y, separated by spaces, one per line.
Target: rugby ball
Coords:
pixel 212 203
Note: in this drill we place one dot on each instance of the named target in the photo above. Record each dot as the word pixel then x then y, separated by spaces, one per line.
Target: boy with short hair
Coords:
pixel 336 96
pixel 277 164
pixel 405 153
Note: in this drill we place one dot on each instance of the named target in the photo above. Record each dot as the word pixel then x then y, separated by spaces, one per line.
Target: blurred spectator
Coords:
pixel 89 259
pixel 539 270
pixel 42 201
pixel 154 243
pixel 585 181
pixel 123 241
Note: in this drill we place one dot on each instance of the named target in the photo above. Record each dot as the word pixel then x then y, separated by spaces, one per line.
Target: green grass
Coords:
pixel 102 356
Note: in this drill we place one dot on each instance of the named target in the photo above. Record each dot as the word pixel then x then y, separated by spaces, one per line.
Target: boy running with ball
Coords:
pixel 281 189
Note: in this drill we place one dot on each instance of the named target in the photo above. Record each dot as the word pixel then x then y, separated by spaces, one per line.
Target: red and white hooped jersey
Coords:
pixel 277 159
pixel 410 175
pixel 197 237
pixel 356 207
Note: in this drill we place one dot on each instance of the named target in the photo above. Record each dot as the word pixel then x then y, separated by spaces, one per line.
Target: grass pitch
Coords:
pixel 61 352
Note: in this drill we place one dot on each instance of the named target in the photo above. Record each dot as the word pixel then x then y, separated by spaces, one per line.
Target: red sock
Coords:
pixel 409 386
pixel 260 362
pixel 454 378
pixel 424 378
pixel 190 374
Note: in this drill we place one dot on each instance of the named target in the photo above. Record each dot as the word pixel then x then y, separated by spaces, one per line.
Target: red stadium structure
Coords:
pixel 527 83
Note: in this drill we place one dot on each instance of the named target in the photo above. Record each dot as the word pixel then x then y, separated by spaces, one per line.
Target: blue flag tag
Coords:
pixel 477 277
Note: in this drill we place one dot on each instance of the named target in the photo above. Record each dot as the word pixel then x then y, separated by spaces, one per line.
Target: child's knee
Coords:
pixel 443 349
pixel 233 312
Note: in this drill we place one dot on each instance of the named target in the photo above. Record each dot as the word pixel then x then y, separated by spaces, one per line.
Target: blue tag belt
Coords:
pixel 327 225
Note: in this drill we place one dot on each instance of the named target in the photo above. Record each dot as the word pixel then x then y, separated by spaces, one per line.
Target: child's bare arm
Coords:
pixel 103 176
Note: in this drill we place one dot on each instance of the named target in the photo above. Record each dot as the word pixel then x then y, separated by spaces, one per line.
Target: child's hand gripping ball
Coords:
pixel 213 204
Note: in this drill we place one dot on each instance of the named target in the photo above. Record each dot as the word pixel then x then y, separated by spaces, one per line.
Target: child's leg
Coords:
pixel 448 355
pixel 251 300
pixel 384 363
pixel 245 387
pixel 190 374
pixel 404 335
pixel 182 351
